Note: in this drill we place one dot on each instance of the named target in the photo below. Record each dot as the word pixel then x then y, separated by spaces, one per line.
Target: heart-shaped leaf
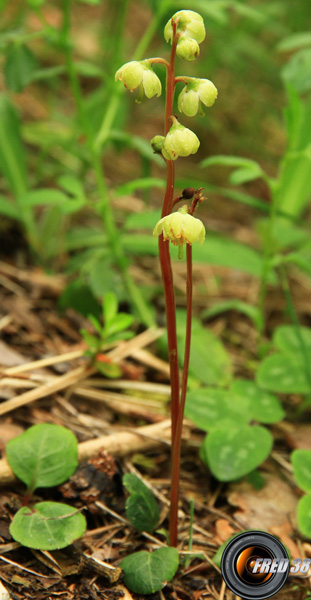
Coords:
pixel 287 339
pixel 264 407
pixel 301 461
pixel 47 526
pixel 148 572
pixel 142 509
pixel 304 515
pixel 283 373
pixel 233 452
pixel 208 408
pixel 44 456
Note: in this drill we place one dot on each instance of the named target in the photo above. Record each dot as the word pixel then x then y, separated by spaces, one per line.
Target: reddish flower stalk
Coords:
pixel 177 407
pixel 176 443
pixel 164 252
pixel 180 227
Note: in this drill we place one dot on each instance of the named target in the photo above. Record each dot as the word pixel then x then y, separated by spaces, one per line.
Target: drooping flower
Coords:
pixel 196 91
pixel 139 74
pixel 187 48
pixel 190 25
pixel 180 228
pixel 179 141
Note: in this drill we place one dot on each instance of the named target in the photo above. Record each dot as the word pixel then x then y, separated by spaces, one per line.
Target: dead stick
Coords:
pixel 119 444
pixel 45 362
pixel 45 390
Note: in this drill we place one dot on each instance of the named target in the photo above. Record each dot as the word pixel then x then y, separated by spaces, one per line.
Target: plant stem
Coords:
pixel 178 434
pixel 105 209
pixel 164 252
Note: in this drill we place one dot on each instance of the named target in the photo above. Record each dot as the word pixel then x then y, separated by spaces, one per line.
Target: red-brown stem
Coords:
pixel 182 79
pixel 158 60
pixel 173 527
pixel 164 253
pixel 170 81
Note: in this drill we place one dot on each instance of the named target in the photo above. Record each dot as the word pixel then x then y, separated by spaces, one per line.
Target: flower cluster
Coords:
pixel 191 31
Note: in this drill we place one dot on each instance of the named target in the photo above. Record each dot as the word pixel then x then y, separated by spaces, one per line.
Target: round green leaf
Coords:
pixel 264 407
pixel 233 452
pixel 287 340
pixel 148 572
pixel 44 456
pixel 46 526
pixel 304 515
pixel 301 461
pixel 283 373
pixel 142 509
pixel 208 408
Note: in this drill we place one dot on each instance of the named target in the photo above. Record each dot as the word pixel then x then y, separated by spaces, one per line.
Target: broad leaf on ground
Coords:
pixel 44 456
pixel 291 340
pixel 264 407
pixel 142 509
pixel 47 526
pixel 283 373
pixel 148 572
pixel 233 452
pixel 301 461
pixel 208 408
pixel 304 515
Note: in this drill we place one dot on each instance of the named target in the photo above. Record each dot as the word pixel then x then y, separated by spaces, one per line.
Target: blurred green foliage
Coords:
pixel 80 178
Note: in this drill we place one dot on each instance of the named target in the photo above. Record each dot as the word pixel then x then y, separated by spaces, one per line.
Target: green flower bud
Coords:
pixel 157 143
pixel 190 25
pixel 179 141
pixel 180 228
pixel 195 92
pixel 136 74
pixel 187 48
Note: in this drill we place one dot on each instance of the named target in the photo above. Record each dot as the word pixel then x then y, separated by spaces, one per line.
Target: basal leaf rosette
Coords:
pixel 180 228
pixel 139 74
pixel 196 93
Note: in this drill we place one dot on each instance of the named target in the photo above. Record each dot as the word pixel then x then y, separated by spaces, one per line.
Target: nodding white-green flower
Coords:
pixel 179 141
pixel 196 91
pixel 190 25
pixel 139 74
pixel 180 228
pixel 187 48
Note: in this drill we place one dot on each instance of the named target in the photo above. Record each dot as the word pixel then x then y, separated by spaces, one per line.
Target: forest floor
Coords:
pixel 45 378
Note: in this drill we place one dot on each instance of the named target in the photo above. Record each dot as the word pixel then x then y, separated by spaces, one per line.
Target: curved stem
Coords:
pixel 183 79
pixel 178 434
pixel 158 60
